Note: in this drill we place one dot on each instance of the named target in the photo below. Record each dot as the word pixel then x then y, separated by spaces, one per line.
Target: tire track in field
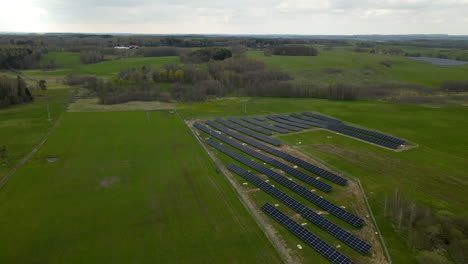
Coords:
pixel 20 163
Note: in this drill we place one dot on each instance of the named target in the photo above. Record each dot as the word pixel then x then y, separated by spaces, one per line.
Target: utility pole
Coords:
pixel 48 113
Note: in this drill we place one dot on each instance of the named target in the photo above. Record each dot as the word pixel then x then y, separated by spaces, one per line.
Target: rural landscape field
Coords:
pixel 232 148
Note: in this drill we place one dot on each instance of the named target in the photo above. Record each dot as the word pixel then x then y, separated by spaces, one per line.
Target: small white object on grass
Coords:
pixel 295 167
pixel 290 179
pixel 303 224
pixel 243 144
pixel 338 246
pixel 220 143
pixel 329 137
pixel 245 183
pixel 276 205
pixel 264 163
pixel 319 212
pixel 272 185
pixel 367 216
pixel 317 178
pixel 376 233
pixel 313 190
pixel 321 196
pixel 299 246
pixel 344 207
pixel 267 180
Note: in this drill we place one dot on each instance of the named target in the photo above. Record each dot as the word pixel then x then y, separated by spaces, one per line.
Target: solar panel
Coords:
pixel 280 120
pixel 326 118
pixel 260 118
pixel 376 141
pixel 300 121
pixel 310 196
pixel 375 134
pixel 301 163
pixel 296 173
pixel 258 123
pixel 249 132
pixel 325 224
pixel 305 235
pixel 315 120
pixel 292 128
pixel 250 126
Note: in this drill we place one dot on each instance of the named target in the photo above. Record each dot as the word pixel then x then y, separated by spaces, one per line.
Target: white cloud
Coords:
pixel 241 16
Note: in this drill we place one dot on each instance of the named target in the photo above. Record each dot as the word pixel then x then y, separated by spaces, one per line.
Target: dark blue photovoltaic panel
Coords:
pixel 375 134
pixel 315 120
pixel 310 196
pixel 376 141
pixel 280 120
pixel 258 123
pixel 326 118
pixel 249 132
pixel 318 220
pixel 260 118
pixel 304 164
pixel 300 121
pixel 296 173
pixel 329 252
pixel 292 128
pixel 250 126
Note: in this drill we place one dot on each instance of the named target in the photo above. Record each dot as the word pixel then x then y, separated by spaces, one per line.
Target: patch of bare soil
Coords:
pixel 52 159
pixel 108 182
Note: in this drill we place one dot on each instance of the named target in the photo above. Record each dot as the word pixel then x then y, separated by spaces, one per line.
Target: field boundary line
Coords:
pixel 248 204
pixel 20 163
pixel 382 241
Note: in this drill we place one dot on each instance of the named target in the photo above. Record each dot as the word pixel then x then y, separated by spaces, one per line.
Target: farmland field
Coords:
pixel 106 68
pixel 363 68
pixel 23 126
pixel 128 188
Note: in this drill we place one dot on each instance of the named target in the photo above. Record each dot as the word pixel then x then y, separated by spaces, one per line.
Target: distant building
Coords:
pixel 127 47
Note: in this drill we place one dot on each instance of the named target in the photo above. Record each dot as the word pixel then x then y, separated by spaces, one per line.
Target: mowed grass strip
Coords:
pixel 127 188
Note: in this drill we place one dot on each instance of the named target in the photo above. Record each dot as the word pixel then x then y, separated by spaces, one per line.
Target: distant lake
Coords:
pixel 437 61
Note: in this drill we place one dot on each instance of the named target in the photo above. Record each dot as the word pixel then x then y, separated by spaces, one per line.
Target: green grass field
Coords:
pixel 23 126
pixel 363 68
pixel 106 68
pixel 63 59
pixel 128 188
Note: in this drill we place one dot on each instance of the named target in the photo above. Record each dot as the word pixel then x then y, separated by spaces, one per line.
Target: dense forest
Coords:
pixel 13 91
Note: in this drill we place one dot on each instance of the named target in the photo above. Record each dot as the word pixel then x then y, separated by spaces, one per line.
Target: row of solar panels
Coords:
pixel 306 165
pixel 296 122
pixel 325 224
pixel 296 173
pixel 322 247
pixel 329 252
pixel 307 194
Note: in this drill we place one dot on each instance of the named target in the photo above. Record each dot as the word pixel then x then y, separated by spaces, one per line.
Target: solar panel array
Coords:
pixel 310 196
pixel 305 235
pixel 296 173
pixel 280 120
pixel 258 123
pixel 260 118
pixel 287 126
pixel 376 141
pixel 304 164
pixel 249 132
pixel 375 134
pixel 363 134
pixel 315 120
pixel 250 126
pixel 326 118
pixel 300 121
pixel 333 229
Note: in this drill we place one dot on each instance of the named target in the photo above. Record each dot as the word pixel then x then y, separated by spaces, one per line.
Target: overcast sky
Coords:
pixel 327 17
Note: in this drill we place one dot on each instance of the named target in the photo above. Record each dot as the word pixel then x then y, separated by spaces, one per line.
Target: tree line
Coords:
pixel 14 91
pixel 429 232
